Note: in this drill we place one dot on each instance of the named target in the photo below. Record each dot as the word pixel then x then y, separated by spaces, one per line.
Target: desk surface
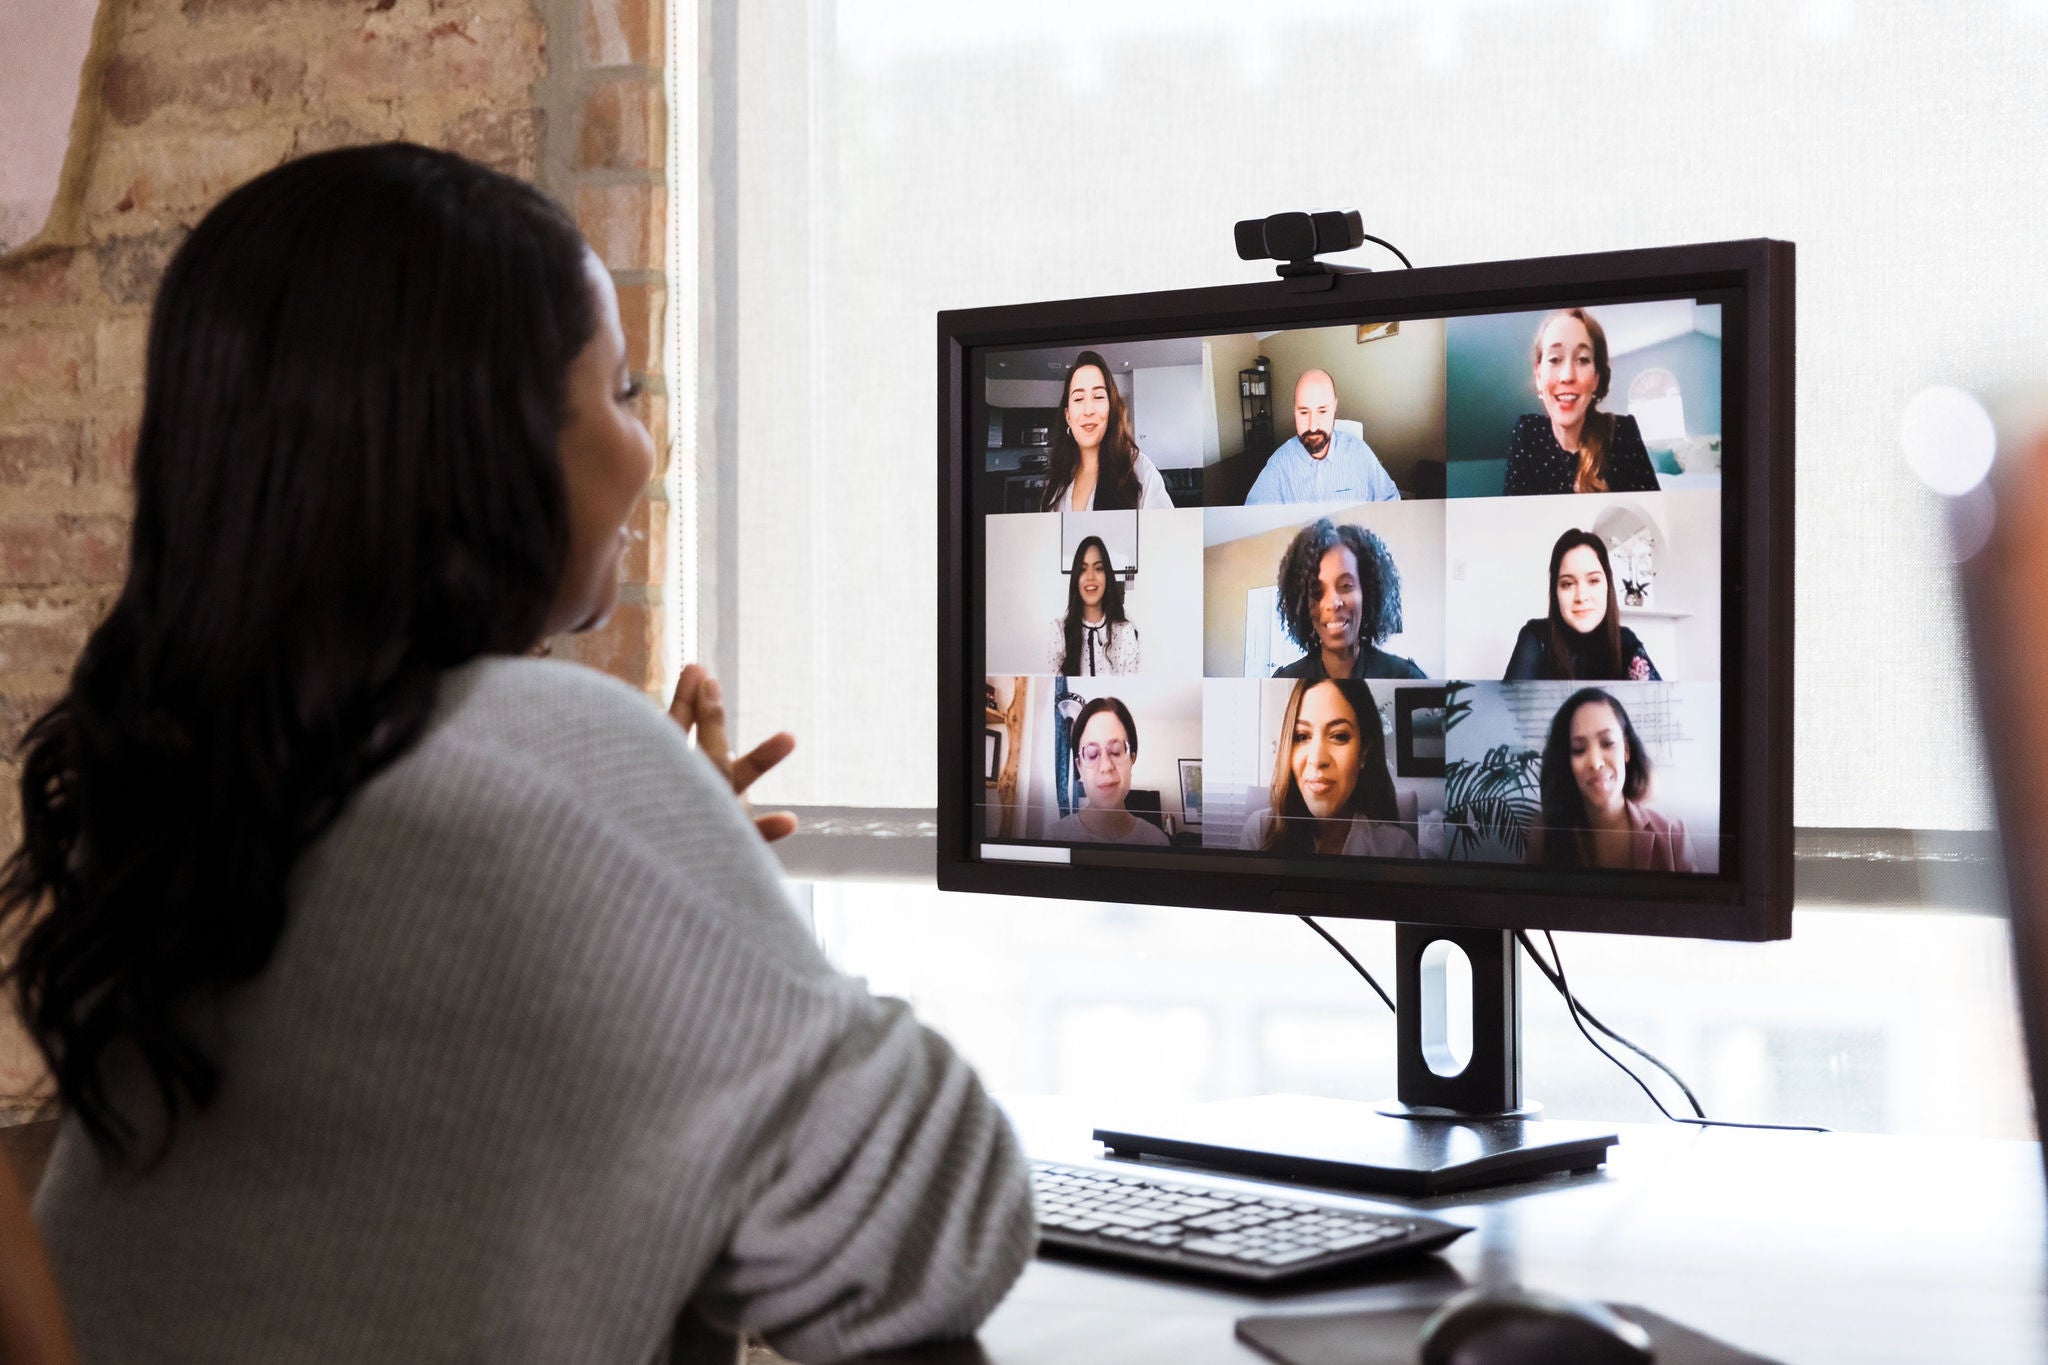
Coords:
pixel 1800 1247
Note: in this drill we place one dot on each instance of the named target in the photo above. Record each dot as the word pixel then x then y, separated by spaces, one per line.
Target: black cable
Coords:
pixel 1572 1005
pixel 1556 979
pixel 1404 261
pixel 1328 938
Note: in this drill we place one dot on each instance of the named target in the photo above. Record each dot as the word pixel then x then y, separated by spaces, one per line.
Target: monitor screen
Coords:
pixel 1446 612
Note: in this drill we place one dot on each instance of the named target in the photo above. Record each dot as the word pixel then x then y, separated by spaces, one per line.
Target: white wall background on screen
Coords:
pixel 1168 714
pixel 865 128
pixel 1499 556
pixel 1029 557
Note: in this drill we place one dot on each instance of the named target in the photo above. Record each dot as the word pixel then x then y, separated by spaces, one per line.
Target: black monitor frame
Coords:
pixel 1750 900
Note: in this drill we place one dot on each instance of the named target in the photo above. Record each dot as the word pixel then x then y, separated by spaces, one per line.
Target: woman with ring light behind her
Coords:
pixel 1331 791
pixel 1583 636
pixel 1093 637
pixel 411 998
pixel 1105 744
pixel 1095 464
pixel 1572 446
pixel 1596 775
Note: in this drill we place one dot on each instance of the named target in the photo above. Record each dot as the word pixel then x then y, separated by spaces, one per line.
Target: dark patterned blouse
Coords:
pixel 1538 464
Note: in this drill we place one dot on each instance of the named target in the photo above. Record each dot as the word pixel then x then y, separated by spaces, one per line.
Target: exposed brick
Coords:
pixel 119 347
pixel 626 225
pixel 642 308
pixel 135 87
pixel 48 279
pixel 328 134
pixel 131 266
pixel 40 551
pixel 18 711
pixel 44 638
pixel 10 836
pixel 647 557
pixel 628 646
pixel 378 63
pixel 109 454
pixel 165 179
pixel 41 361
pixel 623 126
pixel 624 32
pixel 196 10
pixel 39 452
pixel 506 140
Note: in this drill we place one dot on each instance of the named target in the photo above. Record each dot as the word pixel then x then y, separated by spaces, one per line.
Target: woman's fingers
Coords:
pixel 683 708
pixel 760 759
pixel 775 825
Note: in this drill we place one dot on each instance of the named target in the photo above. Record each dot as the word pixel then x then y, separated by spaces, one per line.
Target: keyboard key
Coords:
pixel 1209 1246
pixel 1290 1256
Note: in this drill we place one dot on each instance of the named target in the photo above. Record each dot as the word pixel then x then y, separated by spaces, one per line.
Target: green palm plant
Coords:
pixel 1496 797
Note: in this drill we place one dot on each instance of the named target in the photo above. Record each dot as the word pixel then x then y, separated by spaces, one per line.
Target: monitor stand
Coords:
pixel 1446 1132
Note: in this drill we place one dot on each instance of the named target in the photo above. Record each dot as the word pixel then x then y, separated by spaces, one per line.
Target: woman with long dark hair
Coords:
pixel 1095 463
pixel 1595 784
pixel 410 997
pixel 1094 636
pixel 1582 636
pixel 1331 790
pixel 1572 446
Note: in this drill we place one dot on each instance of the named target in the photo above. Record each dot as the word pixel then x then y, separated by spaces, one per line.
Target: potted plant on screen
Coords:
pixel 1493 799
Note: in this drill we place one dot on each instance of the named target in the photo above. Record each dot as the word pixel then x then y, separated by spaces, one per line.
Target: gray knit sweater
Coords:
pixel 546 1069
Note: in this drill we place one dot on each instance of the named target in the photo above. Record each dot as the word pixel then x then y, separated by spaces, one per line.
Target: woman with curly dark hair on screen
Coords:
pixel 1582 637
pixel 1095 464
pixel 1595 781
pixel 1331 791
pixel 1340 595
pixel 409 997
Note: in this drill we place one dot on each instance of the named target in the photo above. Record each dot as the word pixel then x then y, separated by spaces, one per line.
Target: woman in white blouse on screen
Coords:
pixel 1095 464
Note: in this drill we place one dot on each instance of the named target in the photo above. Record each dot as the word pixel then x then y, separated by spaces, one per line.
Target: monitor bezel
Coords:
pixel 1752 904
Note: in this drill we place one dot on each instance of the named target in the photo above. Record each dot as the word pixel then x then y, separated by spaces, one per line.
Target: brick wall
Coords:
pixel 188 99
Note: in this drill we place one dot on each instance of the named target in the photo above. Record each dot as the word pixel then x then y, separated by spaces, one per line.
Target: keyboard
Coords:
pixel 1241 1235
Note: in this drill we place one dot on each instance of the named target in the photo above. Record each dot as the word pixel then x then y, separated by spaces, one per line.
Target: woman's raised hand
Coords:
pixel 700 710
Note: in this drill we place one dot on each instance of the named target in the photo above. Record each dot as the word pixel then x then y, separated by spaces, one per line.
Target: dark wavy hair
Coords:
pixel 1583 654
pixel 347 482
pixel 1112 602
pixel 1564 810
pixel 1116 467
pixel 1598 432
pixel 1293 828
pixel 1379 582
pixel 1095 708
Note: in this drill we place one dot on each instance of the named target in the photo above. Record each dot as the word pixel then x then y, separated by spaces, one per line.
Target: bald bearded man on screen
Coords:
pixel 1320 463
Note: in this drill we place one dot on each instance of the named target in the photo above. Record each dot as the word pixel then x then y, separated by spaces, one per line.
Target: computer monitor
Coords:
pixel 1459 597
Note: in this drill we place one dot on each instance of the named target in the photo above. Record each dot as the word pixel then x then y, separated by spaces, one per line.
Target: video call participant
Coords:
pixel 1095 464
pixel 1105 743
pixel 1320 463
pixel 1583 637
pixel 1331 790
pixel 1340 595
pixel 1595 774
pixel 1572 446
pixel 1094 637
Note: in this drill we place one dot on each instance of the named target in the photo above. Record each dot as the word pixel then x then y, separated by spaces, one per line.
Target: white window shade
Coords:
pixel 889 160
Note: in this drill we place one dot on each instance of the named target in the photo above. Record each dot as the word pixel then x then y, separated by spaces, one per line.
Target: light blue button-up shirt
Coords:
pixel 1350 472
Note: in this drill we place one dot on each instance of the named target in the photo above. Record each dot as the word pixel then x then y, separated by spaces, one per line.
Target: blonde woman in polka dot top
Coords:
pixel 1572 446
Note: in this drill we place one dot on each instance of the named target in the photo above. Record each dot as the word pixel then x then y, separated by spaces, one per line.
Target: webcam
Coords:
pixel 1296 239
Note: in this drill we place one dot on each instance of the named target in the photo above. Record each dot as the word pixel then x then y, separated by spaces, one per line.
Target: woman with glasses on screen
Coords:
pixel 1596 775
pixel 1331 791
pixel 1340 595
pixel 1095 464
pixel 1093 637
pixel 1583 636
pixel 411 997
pixel 1105 745
pixel 1572 446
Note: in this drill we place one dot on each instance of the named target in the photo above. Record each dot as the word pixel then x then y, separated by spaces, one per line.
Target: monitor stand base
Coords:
pixel 1318 1141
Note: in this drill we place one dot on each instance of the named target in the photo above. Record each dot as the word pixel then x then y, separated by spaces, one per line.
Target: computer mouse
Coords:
pixel 1522 1327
